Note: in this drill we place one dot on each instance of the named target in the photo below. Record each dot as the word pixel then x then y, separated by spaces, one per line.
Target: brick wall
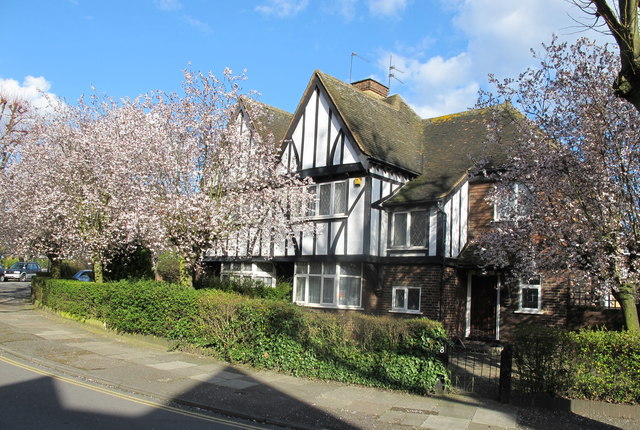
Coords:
pixel 554 293
pixel 428 278
pixel 480 211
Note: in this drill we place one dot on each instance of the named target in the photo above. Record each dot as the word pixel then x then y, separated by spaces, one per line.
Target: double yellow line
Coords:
pixel 127 397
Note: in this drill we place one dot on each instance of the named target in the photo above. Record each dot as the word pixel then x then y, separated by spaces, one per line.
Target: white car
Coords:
pixel 22 271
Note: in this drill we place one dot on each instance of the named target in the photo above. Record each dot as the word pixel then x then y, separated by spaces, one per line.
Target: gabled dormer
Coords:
pixel 343 129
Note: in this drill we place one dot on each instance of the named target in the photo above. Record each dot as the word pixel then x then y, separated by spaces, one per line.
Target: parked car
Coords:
pixel 84 276
pixel 22 271
pixel 1 273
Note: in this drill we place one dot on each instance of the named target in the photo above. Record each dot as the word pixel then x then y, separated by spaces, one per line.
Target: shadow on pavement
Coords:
pixel 30 400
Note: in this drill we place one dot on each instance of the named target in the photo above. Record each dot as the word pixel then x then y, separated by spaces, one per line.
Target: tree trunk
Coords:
pixel 55 267
pixel 626 296
pixel 98 270
pixel 624 29
pixel 186 274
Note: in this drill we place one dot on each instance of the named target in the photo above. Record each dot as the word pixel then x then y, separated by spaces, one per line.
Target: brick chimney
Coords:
pixel 371 87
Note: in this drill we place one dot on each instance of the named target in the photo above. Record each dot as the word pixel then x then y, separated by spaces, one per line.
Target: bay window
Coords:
pixel 262 272
pixel 328 284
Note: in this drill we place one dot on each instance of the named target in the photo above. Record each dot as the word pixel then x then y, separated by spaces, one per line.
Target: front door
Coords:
pixel 483 307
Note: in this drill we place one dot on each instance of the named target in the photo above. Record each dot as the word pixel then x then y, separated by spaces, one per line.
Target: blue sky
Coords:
pixel 444 48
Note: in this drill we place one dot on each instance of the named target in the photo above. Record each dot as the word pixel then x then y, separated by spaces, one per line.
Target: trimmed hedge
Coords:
pixel 589 364
pixel 354 348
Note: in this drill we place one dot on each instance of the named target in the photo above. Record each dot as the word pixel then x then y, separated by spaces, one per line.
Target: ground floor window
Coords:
pixel 406 299
pixel 263 272
pixel 328 284
pixel 530 293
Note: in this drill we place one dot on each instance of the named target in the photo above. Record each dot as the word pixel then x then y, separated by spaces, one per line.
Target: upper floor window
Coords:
pixel 512 202
pixel 530 294
pixel 330 199
pixel 409 229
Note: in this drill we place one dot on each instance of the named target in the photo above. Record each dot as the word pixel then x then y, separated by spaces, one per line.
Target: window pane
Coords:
pixel 530 298
pixel 349 294
pixel 325 200
pixel 315 284
pixel 329 268
pixel 301 268
pixel 327 291
pixel 340 198
pixel 315 268
pixel 351 269
pixel 414 299
pixel 236 267
pixel 398 298
pixel 418 228
pixel 300 285
pixel 400 229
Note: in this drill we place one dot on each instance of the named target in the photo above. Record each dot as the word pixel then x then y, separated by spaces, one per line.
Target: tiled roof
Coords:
pixel 268 119
pixel 386 129
pixel 438 151
pixel 452 145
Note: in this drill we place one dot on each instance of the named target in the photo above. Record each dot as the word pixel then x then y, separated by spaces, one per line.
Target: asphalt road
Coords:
pixel 32 397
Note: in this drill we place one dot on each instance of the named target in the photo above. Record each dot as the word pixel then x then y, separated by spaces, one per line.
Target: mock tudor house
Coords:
pixel 396 206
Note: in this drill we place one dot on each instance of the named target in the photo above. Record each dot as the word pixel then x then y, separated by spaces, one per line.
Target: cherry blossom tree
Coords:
pixel 164 170
pixel 575 165
pixel 14 114
pixel 76 187
pixel 226 178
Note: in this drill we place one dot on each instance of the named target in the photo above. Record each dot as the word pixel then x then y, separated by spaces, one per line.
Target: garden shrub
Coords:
pixel 539 355
pixel 168 267
pixel 589 364
pixel 353 348
pixel 606 365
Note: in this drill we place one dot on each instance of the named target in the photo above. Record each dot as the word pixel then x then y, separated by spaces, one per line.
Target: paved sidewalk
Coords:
pixel 143 367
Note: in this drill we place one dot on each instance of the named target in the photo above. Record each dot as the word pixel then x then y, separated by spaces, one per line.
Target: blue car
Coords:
pixel 84 276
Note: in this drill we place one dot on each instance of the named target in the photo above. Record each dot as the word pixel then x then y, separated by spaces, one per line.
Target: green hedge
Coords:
pixel 589 364
pixel 254 289
pixel 355 348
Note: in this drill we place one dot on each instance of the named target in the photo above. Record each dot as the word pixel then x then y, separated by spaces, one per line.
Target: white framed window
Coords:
pixel 409 229
pixel 329 199
pixel 406 299
pixel 336 285
pixel 530 296
pixel 263 272
pixel 514 204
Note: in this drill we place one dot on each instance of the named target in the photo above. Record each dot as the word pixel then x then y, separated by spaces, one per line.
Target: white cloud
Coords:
pixel 167 5
pixel 435 87
pixel 500 35
pixel 343 8
pixel 197 24
pixel 387 7
pixel 283 8
pixel 34 90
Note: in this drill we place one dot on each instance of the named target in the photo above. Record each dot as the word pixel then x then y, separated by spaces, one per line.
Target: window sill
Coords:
pixel 315 305
pixel 530 311
pixel 399 311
